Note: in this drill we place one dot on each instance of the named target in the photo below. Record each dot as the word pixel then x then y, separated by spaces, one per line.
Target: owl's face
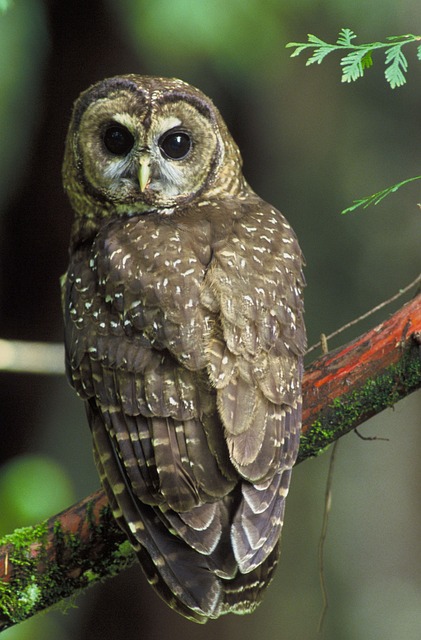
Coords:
pixel 140 144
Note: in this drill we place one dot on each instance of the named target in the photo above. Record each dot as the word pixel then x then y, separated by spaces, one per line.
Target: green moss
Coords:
pixel 41 580
pixel 21 597
pixel 313 442
pixel 351 409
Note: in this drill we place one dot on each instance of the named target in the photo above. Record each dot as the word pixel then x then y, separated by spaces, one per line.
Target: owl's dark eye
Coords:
pixel 175 144
pixel 118 140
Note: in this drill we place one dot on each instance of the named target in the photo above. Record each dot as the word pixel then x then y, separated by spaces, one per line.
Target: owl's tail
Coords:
pixel 245 592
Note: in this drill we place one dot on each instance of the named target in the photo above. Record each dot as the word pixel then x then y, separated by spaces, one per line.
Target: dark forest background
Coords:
pixel 310 145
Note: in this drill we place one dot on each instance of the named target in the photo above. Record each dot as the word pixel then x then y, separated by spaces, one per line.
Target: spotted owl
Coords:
pixel 184 336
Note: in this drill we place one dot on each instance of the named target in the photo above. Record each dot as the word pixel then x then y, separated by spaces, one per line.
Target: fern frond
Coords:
pixel 398 66
pixel 360 56
pixel 315 40
pixel 375 198
pixel 318 55
pixel 299 48
pixel 352 66
pixel 345 38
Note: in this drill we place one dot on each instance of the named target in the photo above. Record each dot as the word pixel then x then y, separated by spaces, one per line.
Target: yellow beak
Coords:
pixel 144 172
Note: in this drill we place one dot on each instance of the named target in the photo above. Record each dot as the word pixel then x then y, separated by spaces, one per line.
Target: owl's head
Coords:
pixel 138 144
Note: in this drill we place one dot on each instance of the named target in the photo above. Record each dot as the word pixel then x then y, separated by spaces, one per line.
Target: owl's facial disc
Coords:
pixel 154 153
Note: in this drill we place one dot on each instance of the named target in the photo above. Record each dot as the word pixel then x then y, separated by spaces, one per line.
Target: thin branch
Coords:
pixel 39 566
pixel 322 540
pixel 32 357
pixel 326 512
pixel 397 295
pixel 369 438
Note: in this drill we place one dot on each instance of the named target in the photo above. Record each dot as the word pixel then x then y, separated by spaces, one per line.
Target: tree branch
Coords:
pixel 346 387
pixel 41 565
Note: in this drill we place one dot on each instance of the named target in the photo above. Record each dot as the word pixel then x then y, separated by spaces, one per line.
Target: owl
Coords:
pixel 184 336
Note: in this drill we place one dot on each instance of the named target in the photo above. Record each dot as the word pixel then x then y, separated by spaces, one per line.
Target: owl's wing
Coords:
pixel 156 431
pixel 134 337
pixel 255 362
pixel 135 353
pixel 255 351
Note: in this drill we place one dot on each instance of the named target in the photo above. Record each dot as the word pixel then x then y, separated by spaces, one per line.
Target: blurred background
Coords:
pixel 311 145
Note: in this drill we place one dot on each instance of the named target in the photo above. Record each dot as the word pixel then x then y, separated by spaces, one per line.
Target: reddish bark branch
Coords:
pixel 341 390
pixel 348 386
pixel 349 367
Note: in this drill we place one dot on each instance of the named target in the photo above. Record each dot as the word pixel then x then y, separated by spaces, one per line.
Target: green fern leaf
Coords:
pixel 352 66
pixel 367 60
pixel 345 37
pixel 318 55
pixel 396 66
pixel 300 47
pixel 315 40
pixel 375 198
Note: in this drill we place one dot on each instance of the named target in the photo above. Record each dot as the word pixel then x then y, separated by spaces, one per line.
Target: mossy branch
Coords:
pixel 42 565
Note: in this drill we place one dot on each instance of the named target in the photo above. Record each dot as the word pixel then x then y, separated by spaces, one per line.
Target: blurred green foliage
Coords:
pixel 235 37
pixel 4 5
pixel 32 488
pixel 23 50
pixel 38 628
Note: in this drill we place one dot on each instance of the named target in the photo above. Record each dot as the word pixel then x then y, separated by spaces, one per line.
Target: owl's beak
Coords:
pixel 144 172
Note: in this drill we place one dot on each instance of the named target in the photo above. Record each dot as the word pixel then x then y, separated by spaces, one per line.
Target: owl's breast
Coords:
pixel 151 273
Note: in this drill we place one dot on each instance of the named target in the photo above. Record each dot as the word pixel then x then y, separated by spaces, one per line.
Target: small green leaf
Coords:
pixel 315 40
pixel 398 65
pixel 419 52
pixel 345 37
pixel 352 207
pixel 375 198
pixel 402 39
pixel 352 67
pixel 299 48
pixel 367 60
pixel 318 55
